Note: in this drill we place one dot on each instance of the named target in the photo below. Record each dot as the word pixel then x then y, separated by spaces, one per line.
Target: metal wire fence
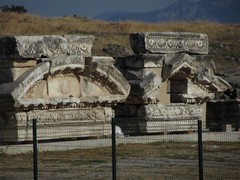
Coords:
pixel 156 156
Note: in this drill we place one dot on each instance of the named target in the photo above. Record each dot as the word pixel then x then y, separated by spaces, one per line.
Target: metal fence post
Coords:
pixel 200 150
pixel 113 150
pixel 35 150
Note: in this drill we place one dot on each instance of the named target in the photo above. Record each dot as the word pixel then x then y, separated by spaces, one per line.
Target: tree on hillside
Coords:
pixel 13 8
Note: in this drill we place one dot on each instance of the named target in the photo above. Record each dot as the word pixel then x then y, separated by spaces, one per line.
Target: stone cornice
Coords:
pixel 169 42
pixel 45 46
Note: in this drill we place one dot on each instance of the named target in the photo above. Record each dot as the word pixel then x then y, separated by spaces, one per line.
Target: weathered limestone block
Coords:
pixel 28 79
pixel 173 63
pixel 170 111
pixel 143 72
pixel 202 65
pixel 63 63
pixel 145 85
pixel 68 80
pixel 186 78
pixel 159 118
pixel 172 126
pixel 11 74
pixel 55 80
pixel 45 46
pixel 141 61
pixel 169 42
pixel 11 69
pixel 192 78
pixel 145 90
pixel 102 71
pixel 57 124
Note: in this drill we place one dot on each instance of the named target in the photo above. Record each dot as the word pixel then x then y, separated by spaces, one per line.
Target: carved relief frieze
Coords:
pixel 45 46
pixel 172 111
pixel 169 42
pixel 67 115
pixel 55 82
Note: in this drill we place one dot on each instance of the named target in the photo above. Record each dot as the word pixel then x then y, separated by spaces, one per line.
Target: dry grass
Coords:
pixel 224 38
pixel 160 160
pixel 27 24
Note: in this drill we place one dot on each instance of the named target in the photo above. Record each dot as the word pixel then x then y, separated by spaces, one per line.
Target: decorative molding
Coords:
pixel 172 111
pixel 169 42
pixel 45 46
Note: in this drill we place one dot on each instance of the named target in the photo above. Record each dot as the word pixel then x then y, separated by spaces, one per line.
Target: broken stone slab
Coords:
pixel 169 42
pixel 106 60
pixel 63 63
pixel 145 90
pixel 57 81
pixel 45 46
pixel 10 74
pixel 11 69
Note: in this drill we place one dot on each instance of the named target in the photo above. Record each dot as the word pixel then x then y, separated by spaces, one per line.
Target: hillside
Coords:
pixel 224 11
pixel 113 38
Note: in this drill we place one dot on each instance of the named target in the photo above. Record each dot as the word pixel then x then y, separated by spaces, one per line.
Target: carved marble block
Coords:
pixel 57 123
pixel 45 46
pixel 169 42
pixel 171 77
pixel 160 118
pixel 70 96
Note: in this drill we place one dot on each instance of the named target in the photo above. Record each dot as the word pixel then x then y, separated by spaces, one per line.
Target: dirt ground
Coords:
pixel 160 160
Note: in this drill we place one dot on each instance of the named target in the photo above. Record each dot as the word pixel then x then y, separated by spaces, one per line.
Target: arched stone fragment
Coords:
pixel 192 78
pixel 29 79
pixel 67 81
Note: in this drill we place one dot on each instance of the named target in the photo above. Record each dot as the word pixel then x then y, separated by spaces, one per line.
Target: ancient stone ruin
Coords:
pixel 171 77
pixel 55 80
pixel 163 87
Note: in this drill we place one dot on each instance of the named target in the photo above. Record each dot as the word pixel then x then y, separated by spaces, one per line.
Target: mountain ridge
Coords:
pixel 222 11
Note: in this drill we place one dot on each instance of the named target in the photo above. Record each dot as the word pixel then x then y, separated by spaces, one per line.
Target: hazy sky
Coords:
pixel 89 8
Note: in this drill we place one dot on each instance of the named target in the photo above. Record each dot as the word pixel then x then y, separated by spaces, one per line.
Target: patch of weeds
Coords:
pixel 2 152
